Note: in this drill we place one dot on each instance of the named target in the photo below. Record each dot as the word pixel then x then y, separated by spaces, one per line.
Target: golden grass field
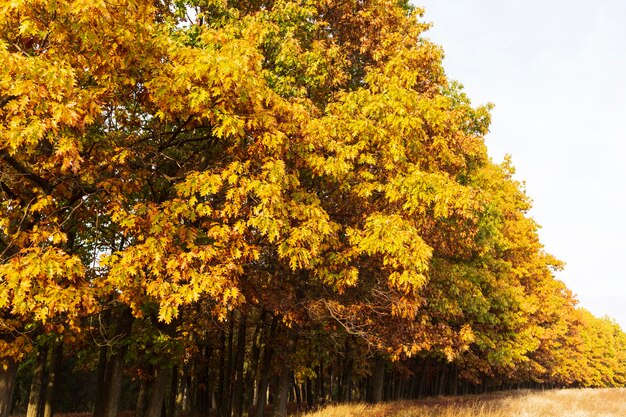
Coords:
pixel 555 403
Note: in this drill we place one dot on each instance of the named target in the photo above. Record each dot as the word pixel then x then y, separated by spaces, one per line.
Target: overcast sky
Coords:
pixel 556 71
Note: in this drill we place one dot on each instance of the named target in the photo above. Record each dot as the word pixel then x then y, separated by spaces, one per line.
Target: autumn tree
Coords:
pixel 211 198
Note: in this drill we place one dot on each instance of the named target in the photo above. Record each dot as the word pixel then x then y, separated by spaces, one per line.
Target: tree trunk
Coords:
pixel 35 397
pixel 8 371
pixel 282 392
pixel 54 363
pixel 422 385
pixel 239 362
pixel 142 399
pixel 114 384
pixel 252 372
pixel 170 408
pixel 378 380
pixel 284 380
pixel 221 386
pixel 102 389
pixel 297 391
pixel 268 352
pixel 347 380
pixel 114 375
pixel 157 396
pixel 454 380
pixel 322 385
pixel 310 399
pixel 182 388
pixel 442 380
pixel 228 392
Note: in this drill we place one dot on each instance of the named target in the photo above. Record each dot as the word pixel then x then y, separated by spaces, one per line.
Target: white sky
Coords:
pixel 556 71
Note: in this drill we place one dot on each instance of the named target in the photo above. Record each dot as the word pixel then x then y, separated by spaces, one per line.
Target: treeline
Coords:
pixel 228 208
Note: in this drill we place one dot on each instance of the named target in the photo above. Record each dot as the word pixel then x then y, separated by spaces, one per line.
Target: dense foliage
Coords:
pixel 214 204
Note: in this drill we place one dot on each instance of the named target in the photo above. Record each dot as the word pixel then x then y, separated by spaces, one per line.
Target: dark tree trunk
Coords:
pixel 201 390
pixel 252 372
pixel 228 391
pixel 170 408
pixel 454 380
pixel 413 385
pixel 442 380
pixel 112 382
pixel 142 398
pixel 221 386
pixel 54 360
pixel 157 396
pixel 182 388
pixel 422 385
pixel 102 389
pixel 378 379
pixel 8 371
pixel 297 391
pixel 239 361
pixel 388 387
pixel 310 399
pixel 322 385
pixel 347 380
pixel 284 380
pixel 268 352
pixel 282 391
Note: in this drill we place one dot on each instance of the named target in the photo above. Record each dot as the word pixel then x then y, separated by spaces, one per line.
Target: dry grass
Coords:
pixel 556 403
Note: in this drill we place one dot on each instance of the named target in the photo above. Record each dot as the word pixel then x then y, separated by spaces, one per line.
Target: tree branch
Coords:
pixel 5 100
pixel 44 184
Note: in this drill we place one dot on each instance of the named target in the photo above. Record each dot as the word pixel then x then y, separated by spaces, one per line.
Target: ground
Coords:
pixel 554 403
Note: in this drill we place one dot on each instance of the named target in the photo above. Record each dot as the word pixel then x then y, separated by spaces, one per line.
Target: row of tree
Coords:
pixel 209 207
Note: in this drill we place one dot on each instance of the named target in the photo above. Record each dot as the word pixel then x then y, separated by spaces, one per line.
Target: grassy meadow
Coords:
pixel 555 403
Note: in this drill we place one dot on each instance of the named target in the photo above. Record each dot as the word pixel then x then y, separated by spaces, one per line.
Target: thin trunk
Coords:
pixel 228 398
pixel 310 400
pixel 340 368
pixel 378 380
pixel 322 384
pixel 201 385
pixel 297 390
pixel 239 360
pixel 422 386
pixel 347 379
pixel 157 396
pixel 8 371
pixel 284 380
pixel 413 386
pixel 170 409
pixel 115 367
pixel 252 373
pixel 268 352
pixel 398 388
pixel 454 380
pixel 193 385
pixel 102 389
pixel 182 387
pixel 388 387
pixel 54 361
pixel 142 399
pixel 442 380
pixel 102 373
pixel 331 387
pixel 221 385
pixel 35 397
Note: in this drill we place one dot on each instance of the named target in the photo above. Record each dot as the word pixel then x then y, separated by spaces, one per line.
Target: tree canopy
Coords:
pixel 212 197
